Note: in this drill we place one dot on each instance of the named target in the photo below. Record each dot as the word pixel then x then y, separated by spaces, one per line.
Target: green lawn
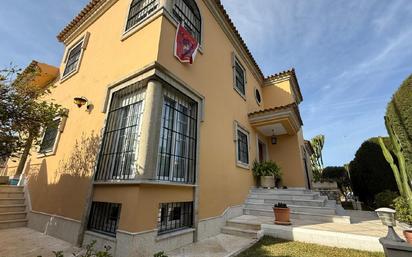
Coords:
pixel 273 247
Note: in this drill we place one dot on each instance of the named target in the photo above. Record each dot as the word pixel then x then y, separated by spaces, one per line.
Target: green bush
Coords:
pixel 402 211
pixel 385 199
pixel 266 168
pixel 370 173
pixel 160 254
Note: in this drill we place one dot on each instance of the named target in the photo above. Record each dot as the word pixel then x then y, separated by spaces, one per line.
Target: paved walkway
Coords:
pixel 25 242
pixel 219 246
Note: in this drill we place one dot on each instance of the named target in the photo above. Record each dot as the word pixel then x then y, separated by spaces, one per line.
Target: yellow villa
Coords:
pixel 155 153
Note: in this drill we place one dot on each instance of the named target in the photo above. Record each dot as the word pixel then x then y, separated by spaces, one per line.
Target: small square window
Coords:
pixel 50 137
pixel 239 77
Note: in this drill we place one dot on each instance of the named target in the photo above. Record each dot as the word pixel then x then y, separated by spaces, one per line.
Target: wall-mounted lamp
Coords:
pixel 387 217
pixel 81 100
pixel 274 139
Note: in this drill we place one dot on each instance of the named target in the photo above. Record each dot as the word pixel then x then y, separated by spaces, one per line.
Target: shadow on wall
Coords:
pixel 63 191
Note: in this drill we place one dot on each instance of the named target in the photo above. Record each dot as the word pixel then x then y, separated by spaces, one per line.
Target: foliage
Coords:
pixel 266 168
pixel 370 173
pixel 316 159
pixel 160 254
pixel 339 175
pixel 402 210
pixel 280 205
pixel 276 247
pixel 89 251
pixel 398 123
pixel 385 199
pixel 22 112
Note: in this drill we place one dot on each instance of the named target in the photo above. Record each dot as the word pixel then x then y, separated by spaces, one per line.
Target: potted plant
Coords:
pixel 268 172
pixel 282 214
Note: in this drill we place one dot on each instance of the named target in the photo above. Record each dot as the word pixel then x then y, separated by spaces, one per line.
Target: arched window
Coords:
pixel 140 9
pixel 187 13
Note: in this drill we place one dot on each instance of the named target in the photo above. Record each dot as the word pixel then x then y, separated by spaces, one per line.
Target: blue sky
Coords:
pixel 350 56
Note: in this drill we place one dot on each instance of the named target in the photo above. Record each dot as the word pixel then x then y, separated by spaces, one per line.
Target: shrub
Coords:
pixel 385 199
pixel 338 175
pixel 402 211
pixel 266 168
pixel 160 254
pixel 370 173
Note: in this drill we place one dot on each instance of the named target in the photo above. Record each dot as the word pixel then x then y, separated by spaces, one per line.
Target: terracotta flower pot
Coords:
pixel 282 216
pixel 408 235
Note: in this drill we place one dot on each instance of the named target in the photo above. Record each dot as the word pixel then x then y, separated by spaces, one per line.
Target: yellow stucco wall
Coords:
pixel 278 94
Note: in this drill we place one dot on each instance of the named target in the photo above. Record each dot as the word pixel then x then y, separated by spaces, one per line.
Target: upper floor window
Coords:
pixel 140 9
pixel 73 59
pixel 239 76
pixel 187 13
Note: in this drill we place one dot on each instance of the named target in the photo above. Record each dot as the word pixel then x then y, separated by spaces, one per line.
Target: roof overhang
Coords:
pixel 38 74
pixel 279 120
pixel 288 75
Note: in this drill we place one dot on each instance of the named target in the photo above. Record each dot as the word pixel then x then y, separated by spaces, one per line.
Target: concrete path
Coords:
pixel 25 242
pixel 219 246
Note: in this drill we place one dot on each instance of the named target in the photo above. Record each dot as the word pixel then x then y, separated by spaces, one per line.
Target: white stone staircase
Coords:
pixel 304 204
pixel 12 207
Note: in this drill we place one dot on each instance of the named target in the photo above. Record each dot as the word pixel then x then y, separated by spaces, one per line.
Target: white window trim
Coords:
pixel 236 59
pixel 243 130
pixel 83 41
pixel 60 130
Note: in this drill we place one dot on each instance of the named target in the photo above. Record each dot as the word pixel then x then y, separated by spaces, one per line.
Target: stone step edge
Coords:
pixel 296 206
pixel 302 213
pixel 9 186
pixel 249 231
pixel 11 198
pixel 12 213
pixel 13 221
pixel 12 205
pixel 280 200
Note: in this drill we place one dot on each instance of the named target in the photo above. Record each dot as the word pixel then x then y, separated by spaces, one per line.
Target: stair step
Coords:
pixel 12 208
pixel 241 232
pixel 294 208
pixel 318 202
pixel 282 191
pixel 284 196
pixel 243 225
pixel 300 215
pixel 6 188
pixel 13 223
pixel 11 201
pixel 12 216
pixel 11 194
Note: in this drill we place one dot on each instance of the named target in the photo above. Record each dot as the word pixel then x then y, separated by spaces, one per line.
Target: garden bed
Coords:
pixel 274 247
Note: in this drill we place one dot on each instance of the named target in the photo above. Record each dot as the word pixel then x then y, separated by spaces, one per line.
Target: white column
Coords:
pixel 150 131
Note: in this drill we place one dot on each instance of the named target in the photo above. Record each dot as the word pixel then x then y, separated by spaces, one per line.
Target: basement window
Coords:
pixel 104 218
pixel 175 216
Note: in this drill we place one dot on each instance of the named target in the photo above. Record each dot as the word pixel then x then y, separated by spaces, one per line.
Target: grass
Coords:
pixel 274 247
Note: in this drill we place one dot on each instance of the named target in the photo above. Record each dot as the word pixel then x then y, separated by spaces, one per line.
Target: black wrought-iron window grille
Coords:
pixel 104 218
pixel 118 154
pixel 175 216
pixel 140 9
pixel 177 146
pixel 239 77
pixel 50 136
pixel 187 13
pixel 73 59
pixel 242 146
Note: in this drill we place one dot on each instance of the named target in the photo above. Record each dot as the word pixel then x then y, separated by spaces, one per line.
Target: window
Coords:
pixel 257 96
pixel 187 13
pixel 175 216
pixel 73 59
pixel 50 137
pixel 104 218
pixel 239 77
pixel 121 137
pixel 140 9
pixel 177 147
pixel 242 146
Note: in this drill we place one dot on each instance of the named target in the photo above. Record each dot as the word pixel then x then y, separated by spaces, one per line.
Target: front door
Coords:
pixel 261 151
